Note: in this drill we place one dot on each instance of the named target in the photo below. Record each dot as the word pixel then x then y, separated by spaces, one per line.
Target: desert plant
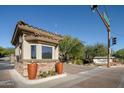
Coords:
pixel 78 62
pixel 71 49
pixel 44 74
pixel 6 51
pixel 51 72
pixel 94 50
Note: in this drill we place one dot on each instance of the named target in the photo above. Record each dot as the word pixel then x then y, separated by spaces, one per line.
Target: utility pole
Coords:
pixel 95 7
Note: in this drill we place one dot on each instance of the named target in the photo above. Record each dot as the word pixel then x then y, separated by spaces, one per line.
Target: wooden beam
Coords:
pixel 42 39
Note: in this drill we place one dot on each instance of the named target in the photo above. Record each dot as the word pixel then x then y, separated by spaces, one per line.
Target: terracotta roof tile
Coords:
pixel 23 23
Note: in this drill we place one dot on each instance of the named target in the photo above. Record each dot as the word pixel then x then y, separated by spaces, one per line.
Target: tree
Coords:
pixel 89 54
pixel 100 50
pixel 6 51
pixel 71 49
pixel 10 50
pixel 95 50
pixel 119 54
pixel 2 50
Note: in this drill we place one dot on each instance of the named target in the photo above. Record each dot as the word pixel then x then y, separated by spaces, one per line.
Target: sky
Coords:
pixel 77 21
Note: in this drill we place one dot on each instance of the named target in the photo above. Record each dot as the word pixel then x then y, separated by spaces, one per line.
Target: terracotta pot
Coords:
pixel 59 68
pixel 32 70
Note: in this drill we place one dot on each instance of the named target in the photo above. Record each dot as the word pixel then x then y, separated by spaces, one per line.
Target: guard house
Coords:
pixel 34 44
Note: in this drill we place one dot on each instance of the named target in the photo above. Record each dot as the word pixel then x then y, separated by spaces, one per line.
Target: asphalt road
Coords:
pixel 5 77
pixel 77 77
pixel 6 65
pixel 74 69
pixel 98 78
pixel 84 77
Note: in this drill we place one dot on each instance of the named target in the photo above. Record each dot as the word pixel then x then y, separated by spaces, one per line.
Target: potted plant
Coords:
pixel 32 70
pixel 59 67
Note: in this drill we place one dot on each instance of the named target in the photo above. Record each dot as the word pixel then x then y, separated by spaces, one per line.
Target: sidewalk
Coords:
pixel 21 81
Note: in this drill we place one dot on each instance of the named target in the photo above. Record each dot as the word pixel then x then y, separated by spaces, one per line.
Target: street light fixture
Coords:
pixel 106 23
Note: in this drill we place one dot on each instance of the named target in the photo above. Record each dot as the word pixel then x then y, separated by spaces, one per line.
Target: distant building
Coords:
pixel 102 60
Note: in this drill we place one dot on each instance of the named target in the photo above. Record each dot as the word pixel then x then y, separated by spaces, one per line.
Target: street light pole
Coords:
pixel 108 30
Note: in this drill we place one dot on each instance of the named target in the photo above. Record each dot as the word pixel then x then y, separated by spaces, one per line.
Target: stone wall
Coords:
pixel 21 67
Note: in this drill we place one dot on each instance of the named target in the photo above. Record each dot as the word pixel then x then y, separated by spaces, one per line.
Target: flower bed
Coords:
pixel 44 74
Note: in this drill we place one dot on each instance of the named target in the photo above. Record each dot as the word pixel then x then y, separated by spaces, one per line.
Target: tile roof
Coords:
pixel 23 23
pixel 21 27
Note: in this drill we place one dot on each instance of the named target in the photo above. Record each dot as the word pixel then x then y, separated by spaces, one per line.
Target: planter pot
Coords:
pixel 59 68
pixel 32 70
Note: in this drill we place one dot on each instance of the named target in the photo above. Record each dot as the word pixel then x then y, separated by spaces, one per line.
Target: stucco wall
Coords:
pixel 101 61
pixel 16 50
pixel 56 54
pixel 26 48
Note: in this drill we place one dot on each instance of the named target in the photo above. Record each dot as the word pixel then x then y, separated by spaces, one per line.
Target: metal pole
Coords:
pixel 108 30
pixel 108 57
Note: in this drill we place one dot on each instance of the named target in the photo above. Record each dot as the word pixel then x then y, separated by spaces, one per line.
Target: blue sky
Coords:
pixel 77 21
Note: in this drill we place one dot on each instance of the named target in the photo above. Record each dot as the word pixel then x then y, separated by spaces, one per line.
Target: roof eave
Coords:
pixel 14 35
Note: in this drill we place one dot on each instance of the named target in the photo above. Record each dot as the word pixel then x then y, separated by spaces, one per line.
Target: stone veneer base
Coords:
pixel 21 67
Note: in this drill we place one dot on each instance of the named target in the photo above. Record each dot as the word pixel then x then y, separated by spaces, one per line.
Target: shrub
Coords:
pixel 47 73
pixel 70 49
pixel 78 62
pixel 51 72
pixel 43 74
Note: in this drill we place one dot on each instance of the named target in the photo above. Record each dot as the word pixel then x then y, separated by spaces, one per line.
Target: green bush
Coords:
pixel 121 61
pixel 51 72
pixel 6 51
pixel 78 62
pixel 43 74
pixel 47 73
pixel 70 49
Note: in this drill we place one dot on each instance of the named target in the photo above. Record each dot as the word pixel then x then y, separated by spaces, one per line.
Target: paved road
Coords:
pixel 6 65
pixel 98 78
pixel 5 78
pixel 74 69
pixel 77 77
pixel 94 77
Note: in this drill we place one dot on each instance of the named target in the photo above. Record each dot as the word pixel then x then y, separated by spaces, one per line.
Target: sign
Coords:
pixel 106 18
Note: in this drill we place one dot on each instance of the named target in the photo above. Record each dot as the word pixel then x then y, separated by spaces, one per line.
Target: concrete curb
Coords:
pixel 118 66
pixel 17 77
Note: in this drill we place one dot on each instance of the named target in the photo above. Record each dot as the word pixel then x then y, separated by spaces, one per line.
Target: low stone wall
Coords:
pixel 21 67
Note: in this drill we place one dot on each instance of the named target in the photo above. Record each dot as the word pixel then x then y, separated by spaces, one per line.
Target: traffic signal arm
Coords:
pixel 104 21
